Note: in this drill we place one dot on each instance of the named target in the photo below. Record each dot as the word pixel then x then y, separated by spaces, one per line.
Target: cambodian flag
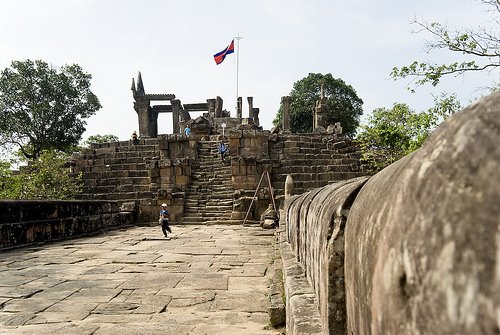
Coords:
pixel 220 56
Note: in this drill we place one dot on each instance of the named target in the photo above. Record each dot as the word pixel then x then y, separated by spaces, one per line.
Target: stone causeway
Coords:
pixel 205 280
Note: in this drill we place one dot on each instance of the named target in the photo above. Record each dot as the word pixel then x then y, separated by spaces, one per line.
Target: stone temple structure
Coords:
pixel 414 249
pixel 186 173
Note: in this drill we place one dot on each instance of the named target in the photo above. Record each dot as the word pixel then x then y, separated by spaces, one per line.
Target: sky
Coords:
pixel 172 44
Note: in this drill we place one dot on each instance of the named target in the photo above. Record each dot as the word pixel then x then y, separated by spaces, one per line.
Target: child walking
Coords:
pixel 165 219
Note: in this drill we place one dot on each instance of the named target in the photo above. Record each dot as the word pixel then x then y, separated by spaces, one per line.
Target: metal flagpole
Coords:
pixel 238 38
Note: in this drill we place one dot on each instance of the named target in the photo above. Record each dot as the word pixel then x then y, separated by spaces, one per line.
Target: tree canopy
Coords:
pixel 393 133
pixel 344 105
pixel 478 47
pixel 44 108
pixel 48 177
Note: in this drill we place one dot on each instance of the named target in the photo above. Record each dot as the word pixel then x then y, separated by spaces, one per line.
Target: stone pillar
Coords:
pixel 153 122
pixel 285 101
pixel 176 107
pixel 256 120
pixel 239 104
pixel 320 113
pixel 211 107
pixel 142 109
pixel 218 107
pixel 250 107
pixel 288 186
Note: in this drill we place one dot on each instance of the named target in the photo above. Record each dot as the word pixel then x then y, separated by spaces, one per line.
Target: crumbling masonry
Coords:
pixel 186 173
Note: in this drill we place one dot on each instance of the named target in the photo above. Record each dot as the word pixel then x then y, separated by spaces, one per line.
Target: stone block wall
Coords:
pixel 313 252
pixel 313 160
pixel 423 236
pixel 420 249
pixel 24 222
pixel 160 169
pixel 156 170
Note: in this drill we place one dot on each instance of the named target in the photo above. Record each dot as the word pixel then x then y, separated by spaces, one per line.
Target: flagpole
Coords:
pixel 238 38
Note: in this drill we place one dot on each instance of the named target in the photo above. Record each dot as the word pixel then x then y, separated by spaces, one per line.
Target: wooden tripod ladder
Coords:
pixel 265 173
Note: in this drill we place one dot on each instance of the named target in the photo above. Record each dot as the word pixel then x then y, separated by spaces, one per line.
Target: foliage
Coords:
pixel 479 47
pixel 7 184
pixel 48 177
pixel 344 105
pixel 43 108
pixel 100 139
pixel 393 133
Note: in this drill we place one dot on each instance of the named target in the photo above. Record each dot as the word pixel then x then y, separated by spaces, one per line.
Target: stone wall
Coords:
pixel 313 160
pixel 314 235
pixel 422 240
pixel 24 222
pixel 155 171
pixel 423 236
pixel 160 169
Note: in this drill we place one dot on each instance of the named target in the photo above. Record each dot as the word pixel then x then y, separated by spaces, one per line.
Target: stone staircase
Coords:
pixel 117 171
pixel 209 198
pixel 313 162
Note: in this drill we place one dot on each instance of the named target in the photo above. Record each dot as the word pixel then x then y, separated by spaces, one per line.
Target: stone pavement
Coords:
pixel 204 280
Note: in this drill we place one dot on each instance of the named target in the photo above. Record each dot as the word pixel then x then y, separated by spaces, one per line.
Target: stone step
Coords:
pixel 210 204
pixel 212 208
pixel 211 217
pixel 115 174
pixel 121 181
pixel 128 196
pixel 216 222
pixel 194 198
pixel 224 189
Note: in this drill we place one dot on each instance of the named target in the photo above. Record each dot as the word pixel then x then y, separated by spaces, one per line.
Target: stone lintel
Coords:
pixel 162 108
pixel 159 97
pixel 196 107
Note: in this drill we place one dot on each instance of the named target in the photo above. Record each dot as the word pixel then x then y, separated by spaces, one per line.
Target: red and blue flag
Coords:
pixel 220 56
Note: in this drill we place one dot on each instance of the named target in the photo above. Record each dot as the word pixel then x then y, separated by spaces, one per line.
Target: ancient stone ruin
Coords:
pixel 414 249
pixel 186 173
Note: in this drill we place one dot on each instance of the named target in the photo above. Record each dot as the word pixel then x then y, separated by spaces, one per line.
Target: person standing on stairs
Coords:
pixel 187 131
pixel 135 139
pixel 222 151
pixel 165 219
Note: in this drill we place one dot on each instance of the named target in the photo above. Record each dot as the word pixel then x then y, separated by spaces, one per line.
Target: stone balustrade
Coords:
pixel 24 222
pixel 415 249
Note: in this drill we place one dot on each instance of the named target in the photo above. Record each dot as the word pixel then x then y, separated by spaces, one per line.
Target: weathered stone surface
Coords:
pixel 142 298
pixel 422 238
pixel 315 228
pixel 24 222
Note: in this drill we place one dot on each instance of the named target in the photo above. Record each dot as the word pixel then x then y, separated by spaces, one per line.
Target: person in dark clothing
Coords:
pixel 135 138
pixel 222 150
pixel 165 219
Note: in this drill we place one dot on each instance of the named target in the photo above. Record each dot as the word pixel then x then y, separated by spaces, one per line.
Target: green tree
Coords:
pixel 44 108
pixel 479 48
pixel 48 177
pixel 393 133
pixel 99 139
pixel 344 105
pixel 7 183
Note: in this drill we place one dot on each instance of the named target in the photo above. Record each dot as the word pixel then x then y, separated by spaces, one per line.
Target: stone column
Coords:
pixel 319 113
pixel 211 107
pixel 250 107
pixel 153 122
pixel 142 109
pixel 289 187
pixel 239 104
pixel 256 120
pixel 176 107
pixel 285 101
pixel 218 107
